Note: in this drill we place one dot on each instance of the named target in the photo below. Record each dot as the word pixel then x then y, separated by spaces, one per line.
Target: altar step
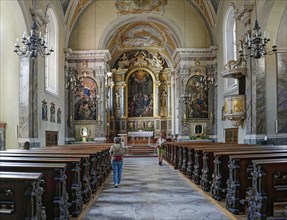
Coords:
pixel 142 151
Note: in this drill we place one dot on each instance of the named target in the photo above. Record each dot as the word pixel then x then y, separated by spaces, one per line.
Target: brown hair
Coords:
pixel 26 146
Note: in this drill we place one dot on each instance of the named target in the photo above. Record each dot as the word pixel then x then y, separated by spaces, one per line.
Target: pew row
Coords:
pixel 54 197
pixel 207 164
pixel 28 202
pixel 84 167
pixel 72 172
pixel 94 167
pixel 240 169
pixel 269 185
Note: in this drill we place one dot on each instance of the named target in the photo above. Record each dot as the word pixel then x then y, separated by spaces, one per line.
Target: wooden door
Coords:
pixel 51 138
pixel 231 135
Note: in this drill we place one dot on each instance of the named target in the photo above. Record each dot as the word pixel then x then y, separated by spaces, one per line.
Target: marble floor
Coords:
pixel 149 191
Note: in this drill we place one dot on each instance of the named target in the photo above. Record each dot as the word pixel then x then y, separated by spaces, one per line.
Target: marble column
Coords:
pixel 122 104
pixel 2 136
pixel 168 100
pixel 28 103
pixel 157 99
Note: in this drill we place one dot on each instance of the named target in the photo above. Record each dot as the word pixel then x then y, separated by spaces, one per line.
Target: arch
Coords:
pixel 51 62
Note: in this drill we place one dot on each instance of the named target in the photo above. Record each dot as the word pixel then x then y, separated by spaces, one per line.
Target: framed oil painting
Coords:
pixel 140 94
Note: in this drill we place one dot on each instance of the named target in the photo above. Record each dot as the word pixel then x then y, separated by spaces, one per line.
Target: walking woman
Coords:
pixel 160 149
pixel 117 152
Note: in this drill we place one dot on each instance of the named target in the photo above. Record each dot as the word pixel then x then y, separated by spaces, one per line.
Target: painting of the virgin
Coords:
pixel 85 101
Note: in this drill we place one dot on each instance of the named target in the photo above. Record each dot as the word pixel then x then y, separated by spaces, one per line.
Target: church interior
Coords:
pixel 210 76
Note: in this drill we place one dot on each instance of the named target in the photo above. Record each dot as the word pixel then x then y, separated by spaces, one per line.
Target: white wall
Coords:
pixel 12 27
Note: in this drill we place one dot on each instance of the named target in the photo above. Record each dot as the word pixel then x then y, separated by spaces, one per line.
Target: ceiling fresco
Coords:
pixel 150 36
pixel 139 6
pixel 141 35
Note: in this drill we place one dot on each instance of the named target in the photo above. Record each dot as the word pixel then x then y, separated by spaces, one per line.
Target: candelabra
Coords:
pixel 256 43
pixel 74 81
pixel 33 44
pixel 206 82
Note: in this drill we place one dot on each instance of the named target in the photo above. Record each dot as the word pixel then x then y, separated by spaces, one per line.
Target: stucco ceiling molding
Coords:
pixel 89 54
pixel 193 54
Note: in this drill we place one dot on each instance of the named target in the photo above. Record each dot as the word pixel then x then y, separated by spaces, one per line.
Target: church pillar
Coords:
pixel 157 98
pixel 28 103
pixel 168 100
pixel 123 104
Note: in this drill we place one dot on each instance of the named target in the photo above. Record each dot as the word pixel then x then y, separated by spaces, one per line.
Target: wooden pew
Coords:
pixel 209 158
pixel 21 196
pixel 73 182
pixel 100 164
pixel 174 152
pixel 202 158
pixel 84 166
pixel 269 185
pixel 221 170
pixel 54 197
pixel 240 168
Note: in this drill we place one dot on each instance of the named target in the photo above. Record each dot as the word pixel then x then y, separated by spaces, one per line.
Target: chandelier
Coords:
pixel 255 44
pixel 33 44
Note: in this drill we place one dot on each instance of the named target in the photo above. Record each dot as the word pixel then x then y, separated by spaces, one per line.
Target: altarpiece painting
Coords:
pixel 197 104
pixel 85 101
pixel 140 94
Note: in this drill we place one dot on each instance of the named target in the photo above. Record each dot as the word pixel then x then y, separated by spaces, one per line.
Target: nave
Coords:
pixel 150 191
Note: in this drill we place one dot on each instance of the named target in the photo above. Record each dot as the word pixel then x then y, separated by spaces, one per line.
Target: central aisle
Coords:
pixel 149 191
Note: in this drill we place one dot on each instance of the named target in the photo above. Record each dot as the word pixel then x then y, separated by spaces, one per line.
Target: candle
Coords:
pixel 184 116
pixel 274 42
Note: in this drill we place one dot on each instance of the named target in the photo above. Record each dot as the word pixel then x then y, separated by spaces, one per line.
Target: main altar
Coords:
pixel 141 134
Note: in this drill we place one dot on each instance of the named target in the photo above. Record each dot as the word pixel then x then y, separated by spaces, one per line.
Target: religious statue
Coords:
pixel 117 100
pixel 44 110
pixel 59 116
pixel 163 100
pixel 123 62
pixel 52 110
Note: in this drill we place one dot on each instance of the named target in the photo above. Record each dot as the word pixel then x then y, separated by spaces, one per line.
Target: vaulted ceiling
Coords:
pixel 139 24
pixel 72 10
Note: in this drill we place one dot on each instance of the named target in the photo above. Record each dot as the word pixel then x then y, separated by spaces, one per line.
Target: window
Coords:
pixel 51 61
pixel 229 44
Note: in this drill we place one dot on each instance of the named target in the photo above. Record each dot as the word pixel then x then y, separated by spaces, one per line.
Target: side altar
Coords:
pixel 137 134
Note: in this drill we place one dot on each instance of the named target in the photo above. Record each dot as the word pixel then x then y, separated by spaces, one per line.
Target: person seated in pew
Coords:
pixel 26 146
pixel 117 152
